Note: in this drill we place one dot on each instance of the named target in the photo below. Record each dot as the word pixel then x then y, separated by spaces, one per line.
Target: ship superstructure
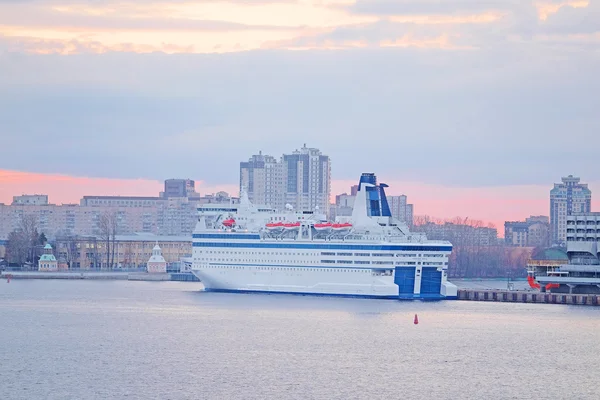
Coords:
pixel 248 248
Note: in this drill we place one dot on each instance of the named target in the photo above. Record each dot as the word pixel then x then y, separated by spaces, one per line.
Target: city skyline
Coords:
pixel 495 205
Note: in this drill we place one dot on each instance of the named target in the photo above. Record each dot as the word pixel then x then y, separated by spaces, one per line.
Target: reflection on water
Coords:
pixel 168 340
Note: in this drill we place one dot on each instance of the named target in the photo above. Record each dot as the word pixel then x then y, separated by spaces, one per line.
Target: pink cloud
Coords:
pixel 493 204
pixel 70 189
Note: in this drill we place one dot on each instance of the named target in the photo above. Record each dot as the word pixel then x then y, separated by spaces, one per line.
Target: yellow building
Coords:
pixel 130 251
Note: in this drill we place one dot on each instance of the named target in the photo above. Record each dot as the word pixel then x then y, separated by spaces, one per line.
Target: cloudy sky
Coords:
pixel 470 107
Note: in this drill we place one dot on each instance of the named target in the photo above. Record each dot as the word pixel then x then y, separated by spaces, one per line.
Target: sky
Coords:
pixel 471 108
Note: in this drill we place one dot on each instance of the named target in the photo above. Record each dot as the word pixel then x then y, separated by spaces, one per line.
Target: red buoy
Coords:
pixel 416 319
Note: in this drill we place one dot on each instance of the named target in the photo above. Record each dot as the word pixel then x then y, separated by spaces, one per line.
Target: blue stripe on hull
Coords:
pixel 354 296
pixel 307 246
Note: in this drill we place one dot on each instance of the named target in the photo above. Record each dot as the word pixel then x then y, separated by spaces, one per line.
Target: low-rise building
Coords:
pixel 156 263
pixel 126 251
pixel 47 261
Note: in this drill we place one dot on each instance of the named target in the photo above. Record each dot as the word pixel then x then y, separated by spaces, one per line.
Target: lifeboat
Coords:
pixel 291 226
pixel 323 227
pixel 341 227
pixel 274 226
pixel 229 222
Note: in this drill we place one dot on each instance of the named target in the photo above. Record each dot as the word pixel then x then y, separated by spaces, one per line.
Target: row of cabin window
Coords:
pixel 374 272
pixel 324 254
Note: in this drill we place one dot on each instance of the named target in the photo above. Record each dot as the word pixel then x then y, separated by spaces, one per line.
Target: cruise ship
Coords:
pixel 247 248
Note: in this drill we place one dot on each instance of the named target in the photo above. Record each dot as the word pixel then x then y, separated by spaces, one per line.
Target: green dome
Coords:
pixel 552 253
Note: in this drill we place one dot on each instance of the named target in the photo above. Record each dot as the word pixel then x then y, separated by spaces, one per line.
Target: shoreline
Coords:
pixel 100 275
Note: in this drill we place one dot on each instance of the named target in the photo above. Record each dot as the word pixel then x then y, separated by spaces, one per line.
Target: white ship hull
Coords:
pixel 297 280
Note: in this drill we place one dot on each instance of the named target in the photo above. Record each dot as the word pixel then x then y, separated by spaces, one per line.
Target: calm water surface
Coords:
pixel 168 340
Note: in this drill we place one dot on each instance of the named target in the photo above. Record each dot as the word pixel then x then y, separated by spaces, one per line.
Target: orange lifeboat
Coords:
pixel 552 286
pixel 274 225
pixel 323 227
pixel 341 227
pixel 291 225
pixel 229 222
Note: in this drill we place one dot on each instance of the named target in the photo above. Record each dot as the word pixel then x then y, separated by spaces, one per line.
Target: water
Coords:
pixel 167 340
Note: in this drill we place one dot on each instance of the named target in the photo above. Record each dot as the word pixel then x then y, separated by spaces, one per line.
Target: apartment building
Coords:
pixel 152 215
pixel 301 179
pixel 567 198
pixel 533 232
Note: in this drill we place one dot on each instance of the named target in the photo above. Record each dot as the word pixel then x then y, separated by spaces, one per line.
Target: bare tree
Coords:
pixel 17 248
pixel 108 227
pixel 66 246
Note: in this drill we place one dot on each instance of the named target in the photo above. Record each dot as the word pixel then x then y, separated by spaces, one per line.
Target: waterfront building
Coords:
pixel 130 251
pixel 583 227
pixel 567 198
pixel 47 261
pixel 156 263
pixel 533 232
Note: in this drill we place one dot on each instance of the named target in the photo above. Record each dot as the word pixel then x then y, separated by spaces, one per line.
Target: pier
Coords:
pixel 512 296
pixel 108 275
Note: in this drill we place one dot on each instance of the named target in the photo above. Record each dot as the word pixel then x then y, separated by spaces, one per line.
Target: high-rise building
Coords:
pixel 307 179
pixel 179 188
pixel 400 209
pixel 567 198
pixel 262 178
pixel 301 179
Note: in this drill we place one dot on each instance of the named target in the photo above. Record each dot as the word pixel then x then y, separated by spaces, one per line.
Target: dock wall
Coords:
pixel 512 296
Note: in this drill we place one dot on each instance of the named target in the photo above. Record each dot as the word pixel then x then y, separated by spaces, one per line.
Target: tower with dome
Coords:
pixel 47 260
pixel 156 264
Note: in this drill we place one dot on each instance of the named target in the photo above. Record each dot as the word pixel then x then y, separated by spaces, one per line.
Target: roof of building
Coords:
pixel 120 198
pixel 148 237
pixel 47 257
pixel 552 253
pixel 47 246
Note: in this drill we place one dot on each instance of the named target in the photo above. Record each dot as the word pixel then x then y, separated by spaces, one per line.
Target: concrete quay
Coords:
pixel 99 275
pixel 514 296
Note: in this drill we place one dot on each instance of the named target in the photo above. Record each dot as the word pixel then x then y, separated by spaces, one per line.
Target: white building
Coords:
pixel 400 209
pixel 156 263
pixel 301 179
pixel 583 227
pixel 262 178
pixel 567 198
pixel 307 177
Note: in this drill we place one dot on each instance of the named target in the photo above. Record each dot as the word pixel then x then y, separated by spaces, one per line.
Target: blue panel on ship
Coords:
pixel 431 281
pixel 405 279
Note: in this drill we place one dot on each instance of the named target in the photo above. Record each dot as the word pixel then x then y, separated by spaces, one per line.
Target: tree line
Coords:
pixel 473 253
